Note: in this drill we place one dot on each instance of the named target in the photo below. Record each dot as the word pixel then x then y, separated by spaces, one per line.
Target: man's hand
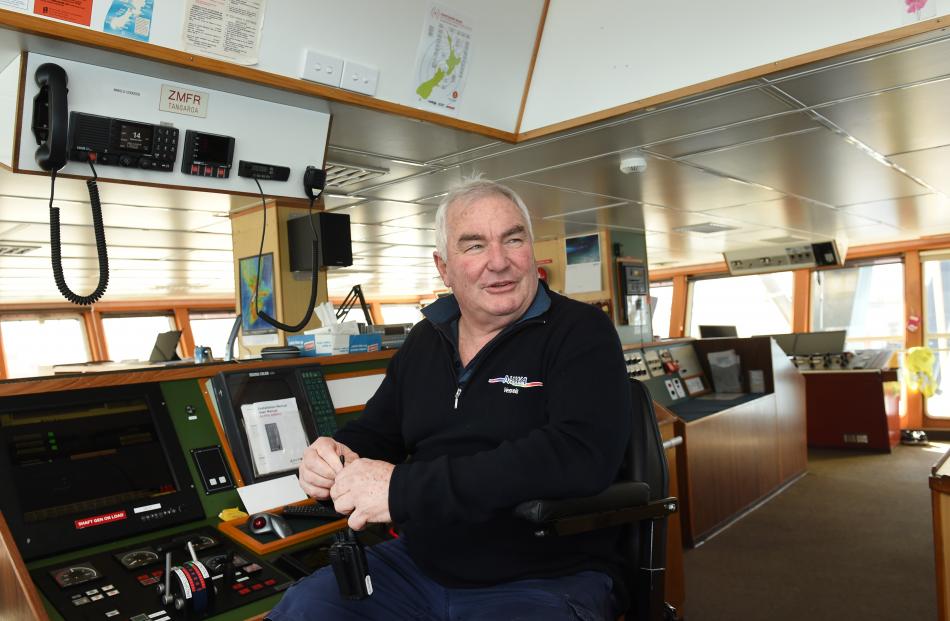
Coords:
pixel 362 491
pixel 320 465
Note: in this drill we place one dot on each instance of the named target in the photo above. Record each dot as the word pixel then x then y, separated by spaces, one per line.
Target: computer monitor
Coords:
pixel 87 467
pixel 786 342
pixel 166 347
pixel 708 332
pixel 831 342
pixel 270 416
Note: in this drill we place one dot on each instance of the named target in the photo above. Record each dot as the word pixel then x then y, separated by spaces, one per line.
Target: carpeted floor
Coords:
pixel 853 539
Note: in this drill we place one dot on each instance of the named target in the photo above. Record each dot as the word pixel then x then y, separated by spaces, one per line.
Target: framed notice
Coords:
pixel 695 385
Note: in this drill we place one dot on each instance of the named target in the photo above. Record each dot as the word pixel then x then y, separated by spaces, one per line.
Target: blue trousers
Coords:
pixel 402 591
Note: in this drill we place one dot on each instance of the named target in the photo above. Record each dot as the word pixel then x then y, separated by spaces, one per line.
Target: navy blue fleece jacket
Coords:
pixel 543 411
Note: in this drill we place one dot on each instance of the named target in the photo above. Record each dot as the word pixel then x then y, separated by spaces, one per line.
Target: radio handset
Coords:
pixel 50 124
pixel 50 117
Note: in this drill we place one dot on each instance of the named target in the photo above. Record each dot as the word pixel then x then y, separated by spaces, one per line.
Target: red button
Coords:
pixel 237 586
pixel 142 577
pixel 270 582
pixel 244 591
pixel 221 172
pixel 257 587
pixel 158 572
pixel 195 169
pixel 208 171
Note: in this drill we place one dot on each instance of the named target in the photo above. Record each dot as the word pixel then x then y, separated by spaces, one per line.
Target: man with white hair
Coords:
pixel 505 392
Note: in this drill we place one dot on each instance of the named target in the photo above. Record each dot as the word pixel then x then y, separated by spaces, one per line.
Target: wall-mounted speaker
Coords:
pixel 333 235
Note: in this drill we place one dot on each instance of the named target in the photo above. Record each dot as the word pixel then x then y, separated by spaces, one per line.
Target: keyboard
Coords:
pixel 313 510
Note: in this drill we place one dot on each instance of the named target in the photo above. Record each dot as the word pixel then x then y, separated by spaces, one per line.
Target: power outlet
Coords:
pixel 360 78
pixel 322 68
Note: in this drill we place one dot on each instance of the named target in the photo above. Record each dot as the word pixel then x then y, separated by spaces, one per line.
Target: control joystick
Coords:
pixel 187 586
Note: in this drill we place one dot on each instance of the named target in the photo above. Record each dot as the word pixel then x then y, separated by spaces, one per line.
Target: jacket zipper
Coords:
pixel 484 354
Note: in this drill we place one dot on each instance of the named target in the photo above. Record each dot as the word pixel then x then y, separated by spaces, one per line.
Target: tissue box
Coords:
pixel 362 343
pixel 335 344
pixel 347 327
pixel 320 344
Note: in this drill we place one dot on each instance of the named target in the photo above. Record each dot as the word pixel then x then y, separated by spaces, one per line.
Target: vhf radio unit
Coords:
pixel 115 142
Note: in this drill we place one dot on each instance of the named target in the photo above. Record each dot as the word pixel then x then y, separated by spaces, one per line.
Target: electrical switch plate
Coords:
pixel 360 78
pixel 322 68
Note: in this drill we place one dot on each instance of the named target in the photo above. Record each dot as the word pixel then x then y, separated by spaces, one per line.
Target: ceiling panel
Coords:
pixel 419 252
pixel 369 261
pixel 927 214
pixel 931 165
pixel 666 183
pixel 897 121
pixel 423 220
pixel 387 134
pixel 818 165
pixel 606 138
pixel 737 134
pixel 875 234
pixel 160 218
pixel 791 213
pixel 392 171
pixel 374 212
pixel 412 237
pixel 899 67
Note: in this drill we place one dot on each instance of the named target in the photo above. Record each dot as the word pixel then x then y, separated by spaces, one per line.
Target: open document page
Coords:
pixel 275 435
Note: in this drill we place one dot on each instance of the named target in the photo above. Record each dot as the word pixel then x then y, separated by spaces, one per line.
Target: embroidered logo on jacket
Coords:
pixel 517 381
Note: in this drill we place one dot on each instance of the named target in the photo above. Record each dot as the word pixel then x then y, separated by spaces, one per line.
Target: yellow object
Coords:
pixel 231 514
pixel 919 370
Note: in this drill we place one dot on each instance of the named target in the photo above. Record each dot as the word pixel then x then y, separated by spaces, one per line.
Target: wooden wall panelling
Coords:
pixel 848 402
pixel 913 407
pixel 940 499
pixel 675 585
pixel 19 600
pixel 679 305
pixel 3 363
pixel 801 301
pixel 183 323
pixel 732 464
pixel 790 417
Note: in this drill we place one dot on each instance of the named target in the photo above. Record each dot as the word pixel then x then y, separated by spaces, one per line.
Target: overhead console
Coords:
pixel 157 129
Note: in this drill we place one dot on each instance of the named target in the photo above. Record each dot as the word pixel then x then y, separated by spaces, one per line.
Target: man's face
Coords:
pixel 490 260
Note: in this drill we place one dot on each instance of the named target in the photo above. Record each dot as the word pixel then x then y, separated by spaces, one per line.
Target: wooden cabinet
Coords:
pixel 737 457
pixel 849 409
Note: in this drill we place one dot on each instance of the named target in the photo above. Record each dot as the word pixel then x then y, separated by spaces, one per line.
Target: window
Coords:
pixel 400 313
pixel 132 337
pixel 663 292
pixel 936 275
pixel 31 344
pixel 757 304
pixel 866 300
pixel 211 329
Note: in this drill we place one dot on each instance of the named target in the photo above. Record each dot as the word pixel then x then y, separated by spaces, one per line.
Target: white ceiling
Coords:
pixel 855 147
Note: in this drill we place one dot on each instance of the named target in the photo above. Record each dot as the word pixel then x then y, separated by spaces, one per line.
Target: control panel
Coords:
pixel 193 574
pixel 118 142
pixel 207 155
pixel 653 362
pixel 636 365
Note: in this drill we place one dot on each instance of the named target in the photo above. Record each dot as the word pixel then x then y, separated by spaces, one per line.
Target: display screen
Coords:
pixel 271 416
pixel 212 149
pixel 135 137
pixel 73 461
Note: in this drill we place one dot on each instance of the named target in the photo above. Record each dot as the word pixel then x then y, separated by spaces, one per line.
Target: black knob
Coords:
pixel 125 160
pixel 145 163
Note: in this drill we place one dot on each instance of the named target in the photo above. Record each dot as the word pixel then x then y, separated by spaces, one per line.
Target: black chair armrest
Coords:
pixel 617 496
